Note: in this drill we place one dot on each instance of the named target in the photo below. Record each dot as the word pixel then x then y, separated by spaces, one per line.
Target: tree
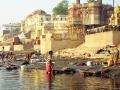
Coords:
pixel 61 8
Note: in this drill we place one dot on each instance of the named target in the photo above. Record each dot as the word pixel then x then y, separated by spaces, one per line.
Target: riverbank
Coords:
pixel 81 52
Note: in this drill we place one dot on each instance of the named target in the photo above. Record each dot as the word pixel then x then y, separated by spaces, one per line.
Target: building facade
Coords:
pixel 10 30
pixel 40 23
pixel 33 21
pixel 115 18
pixel 87 15
pixel 91 13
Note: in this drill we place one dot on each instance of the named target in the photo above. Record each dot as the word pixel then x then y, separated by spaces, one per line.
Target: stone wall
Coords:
pixel 45 43
pixel 63 44
pixel 102 39
pixel 48 43
pixel 116 37
pixel 18 47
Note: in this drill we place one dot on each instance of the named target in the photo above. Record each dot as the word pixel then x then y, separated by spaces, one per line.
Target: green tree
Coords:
pixel 61 8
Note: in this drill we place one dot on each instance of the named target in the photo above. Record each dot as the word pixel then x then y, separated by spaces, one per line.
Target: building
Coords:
pixel 115 18
pixel 59 22
pixel 91 13
pixel 34 21
pixel 87 15
pixel 60 27
pixel 4 34
pixel 39 23
pixel 10 30
pixel 96 13
pixel 75 22
pixel 12 27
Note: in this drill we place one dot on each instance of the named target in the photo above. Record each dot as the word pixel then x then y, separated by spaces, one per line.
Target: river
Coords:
pixel 38 80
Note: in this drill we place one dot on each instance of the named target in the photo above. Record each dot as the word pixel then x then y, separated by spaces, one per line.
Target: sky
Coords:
pixel 16 10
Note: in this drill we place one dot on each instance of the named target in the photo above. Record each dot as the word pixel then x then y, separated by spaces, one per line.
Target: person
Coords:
pixel 50 57
pixel 49 64
pixel 26 62
pixel 114 55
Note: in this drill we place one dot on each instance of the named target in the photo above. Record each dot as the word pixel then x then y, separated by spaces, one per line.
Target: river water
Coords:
pixel 38 80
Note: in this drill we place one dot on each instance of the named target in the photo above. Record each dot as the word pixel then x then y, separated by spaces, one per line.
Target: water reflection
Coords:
pixel 33 80
pixel 39 80
pixel 116 83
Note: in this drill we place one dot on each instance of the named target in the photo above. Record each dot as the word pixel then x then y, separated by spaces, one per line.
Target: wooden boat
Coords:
pixel 64 71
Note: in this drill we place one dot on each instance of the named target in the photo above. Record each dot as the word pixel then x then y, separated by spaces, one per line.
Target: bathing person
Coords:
pixel 114 55
pixel 49 64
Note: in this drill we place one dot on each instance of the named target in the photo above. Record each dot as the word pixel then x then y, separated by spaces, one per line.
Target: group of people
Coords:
pixel 7 56
pixel 30 55
pixel 113 52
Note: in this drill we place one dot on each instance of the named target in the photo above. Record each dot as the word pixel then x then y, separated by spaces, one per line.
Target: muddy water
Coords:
pixel 37 80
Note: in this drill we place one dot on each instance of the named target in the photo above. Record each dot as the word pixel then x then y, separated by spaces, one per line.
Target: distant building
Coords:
pixel 9 30
pixel 33 22
pixel 4 34
pixel 115 18
pixel 39 23
pixel 59 22
pixel 86 15
pixel 91 13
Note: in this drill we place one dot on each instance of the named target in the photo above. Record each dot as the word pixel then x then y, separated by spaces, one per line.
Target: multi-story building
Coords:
pixel 34 21
pixel 75 13
pixel 59 22
pixel 14 28
pixel 60 27
pixel 40 23
pixel 74 20
pixel 90 14
pixel 10 30
pixel 115 18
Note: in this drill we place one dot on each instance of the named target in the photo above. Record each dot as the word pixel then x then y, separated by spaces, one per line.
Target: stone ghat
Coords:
pixel 80 51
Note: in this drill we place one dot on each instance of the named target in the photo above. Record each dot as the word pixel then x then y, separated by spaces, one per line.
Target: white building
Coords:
pixel 10 30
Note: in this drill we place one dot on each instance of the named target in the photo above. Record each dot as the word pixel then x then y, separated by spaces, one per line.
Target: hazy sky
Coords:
pixel 17 10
